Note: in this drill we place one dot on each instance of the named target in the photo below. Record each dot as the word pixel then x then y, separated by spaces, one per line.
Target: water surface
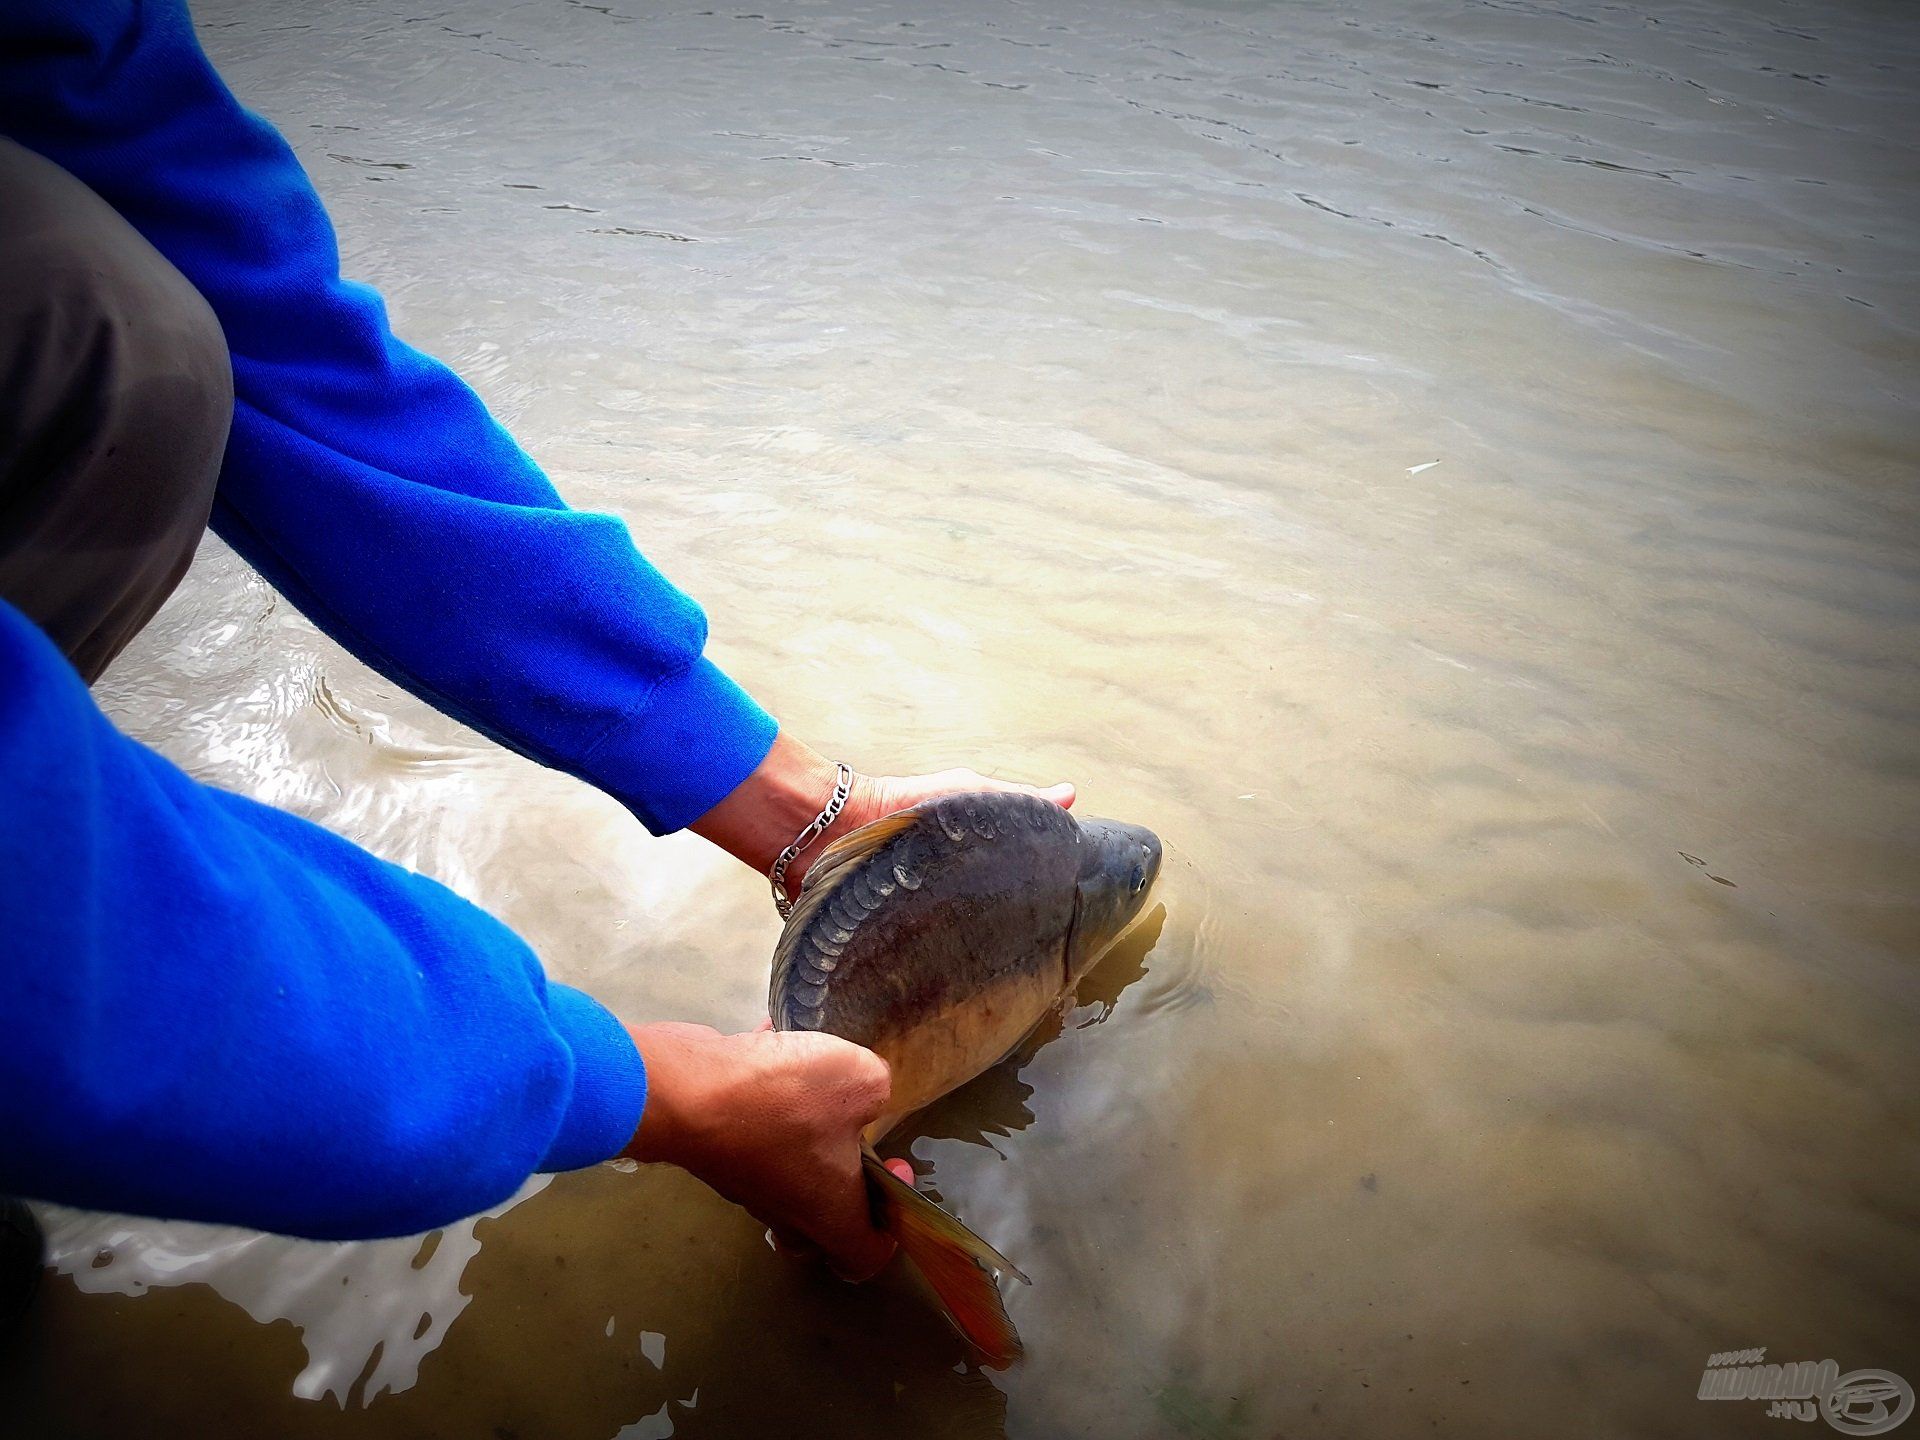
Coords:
pixel 1448 467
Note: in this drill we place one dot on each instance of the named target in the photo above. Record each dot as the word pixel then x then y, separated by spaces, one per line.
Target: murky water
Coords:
pixel 1449 468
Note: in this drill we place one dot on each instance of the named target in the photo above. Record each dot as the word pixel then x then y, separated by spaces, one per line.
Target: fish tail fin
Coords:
pixel 958 1264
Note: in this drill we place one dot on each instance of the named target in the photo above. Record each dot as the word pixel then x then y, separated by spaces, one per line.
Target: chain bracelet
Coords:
pixel 842 788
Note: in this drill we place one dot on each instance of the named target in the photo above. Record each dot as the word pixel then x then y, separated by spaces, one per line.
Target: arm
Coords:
pixel 178 1035
pixel 365 480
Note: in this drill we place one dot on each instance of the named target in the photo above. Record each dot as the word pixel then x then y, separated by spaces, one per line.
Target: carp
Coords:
pixel 939 937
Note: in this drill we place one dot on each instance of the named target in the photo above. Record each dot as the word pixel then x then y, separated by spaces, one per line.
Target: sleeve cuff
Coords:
pixel 609 1081
pixel 698 736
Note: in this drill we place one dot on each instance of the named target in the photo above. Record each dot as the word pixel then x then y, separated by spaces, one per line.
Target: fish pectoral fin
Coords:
pixel 959 1265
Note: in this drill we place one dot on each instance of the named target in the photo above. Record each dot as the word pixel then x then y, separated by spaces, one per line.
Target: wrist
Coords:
pixel 677 1058
pixel 764 812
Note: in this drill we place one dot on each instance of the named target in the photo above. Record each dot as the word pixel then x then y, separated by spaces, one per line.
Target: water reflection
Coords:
pixel 367 1312
pixel 1101 987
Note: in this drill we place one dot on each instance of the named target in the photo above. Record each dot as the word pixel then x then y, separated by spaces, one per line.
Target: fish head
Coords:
pixel 1118 865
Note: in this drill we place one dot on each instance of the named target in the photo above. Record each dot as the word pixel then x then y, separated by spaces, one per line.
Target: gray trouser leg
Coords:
pixel 115 397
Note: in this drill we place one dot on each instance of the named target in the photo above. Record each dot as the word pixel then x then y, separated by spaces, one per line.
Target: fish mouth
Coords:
pixel 1118 868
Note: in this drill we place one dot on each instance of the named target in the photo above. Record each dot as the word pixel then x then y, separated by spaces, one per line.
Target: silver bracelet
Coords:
pixel 842 787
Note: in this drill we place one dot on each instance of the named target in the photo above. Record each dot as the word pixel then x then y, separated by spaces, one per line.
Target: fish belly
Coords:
pixel 942 1051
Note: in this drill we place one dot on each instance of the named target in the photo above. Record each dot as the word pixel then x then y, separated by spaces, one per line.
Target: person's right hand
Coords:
pixel 772 1121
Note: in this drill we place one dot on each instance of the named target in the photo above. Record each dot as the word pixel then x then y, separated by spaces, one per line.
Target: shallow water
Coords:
pixel 1448 468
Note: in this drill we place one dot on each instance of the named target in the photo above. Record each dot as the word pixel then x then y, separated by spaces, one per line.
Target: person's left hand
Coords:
pixel 773 804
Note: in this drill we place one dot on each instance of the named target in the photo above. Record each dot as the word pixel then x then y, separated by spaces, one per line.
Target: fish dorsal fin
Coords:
pixel 823 879
pixel 855 846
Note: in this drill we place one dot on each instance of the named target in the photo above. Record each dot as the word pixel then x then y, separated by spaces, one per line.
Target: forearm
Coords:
pixel 763 814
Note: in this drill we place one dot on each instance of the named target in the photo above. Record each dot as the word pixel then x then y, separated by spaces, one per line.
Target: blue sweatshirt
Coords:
pixel 213 1010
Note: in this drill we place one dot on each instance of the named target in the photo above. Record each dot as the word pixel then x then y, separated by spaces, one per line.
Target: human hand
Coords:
pixel 773 804
pixel 772 1121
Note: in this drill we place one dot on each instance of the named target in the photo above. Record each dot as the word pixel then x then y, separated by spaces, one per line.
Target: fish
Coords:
pixel 939 937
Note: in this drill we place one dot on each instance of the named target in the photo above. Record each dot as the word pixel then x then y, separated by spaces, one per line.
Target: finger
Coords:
pixel 791 1243
pixel 844 1232
pixel 763 1026
pixel 1062 794
pixel 864 1259
pixel 902 1170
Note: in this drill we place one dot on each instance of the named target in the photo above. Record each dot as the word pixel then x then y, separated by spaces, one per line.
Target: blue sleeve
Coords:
pixel 362 478
pixel 213 1010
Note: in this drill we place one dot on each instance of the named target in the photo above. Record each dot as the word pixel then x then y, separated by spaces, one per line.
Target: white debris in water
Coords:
pixel 657 1426
pixel 1416 469
pixel 653 1345
pixel 609 1327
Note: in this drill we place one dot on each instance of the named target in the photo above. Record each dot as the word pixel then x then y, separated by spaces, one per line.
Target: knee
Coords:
pixel 108 340
pixel 149 357
pixel 118 393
